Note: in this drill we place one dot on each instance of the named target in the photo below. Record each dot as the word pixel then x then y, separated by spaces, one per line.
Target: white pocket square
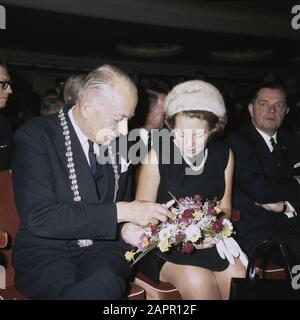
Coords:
pixel 124 165
pixel 297 165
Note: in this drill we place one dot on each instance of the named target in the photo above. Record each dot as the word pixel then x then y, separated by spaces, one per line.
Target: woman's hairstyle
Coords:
pixel 216 125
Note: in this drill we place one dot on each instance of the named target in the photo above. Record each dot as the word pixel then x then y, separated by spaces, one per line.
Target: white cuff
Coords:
pixel 290 212
pixel 297 178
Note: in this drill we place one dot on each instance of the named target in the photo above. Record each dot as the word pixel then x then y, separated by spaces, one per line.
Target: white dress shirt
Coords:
pixel 267 138
pixel 144 136
pixel 83 139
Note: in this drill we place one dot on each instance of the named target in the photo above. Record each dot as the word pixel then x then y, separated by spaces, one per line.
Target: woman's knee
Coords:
pixel 192 282
pixel 237 270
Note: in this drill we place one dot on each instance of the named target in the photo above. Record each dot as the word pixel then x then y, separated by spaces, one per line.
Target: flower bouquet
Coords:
pixel 196 218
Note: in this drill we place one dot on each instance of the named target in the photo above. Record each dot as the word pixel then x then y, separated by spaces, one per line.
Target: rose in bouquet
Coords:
pixel 196 219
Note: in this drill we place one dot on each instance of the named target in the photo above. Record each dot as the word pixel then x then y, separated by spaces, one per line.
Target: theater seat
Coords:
pixel 10 293
pixel 269 270
pixel 136 292
pixel 9 224
pixel 3 238
pixel 264 268
pixel 157 291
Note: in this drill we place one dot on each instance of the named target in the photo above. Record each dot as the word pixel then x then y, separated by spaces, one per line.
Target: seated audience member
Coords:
pixel 70 204
pixel 71 89
pixel 267 175
pixel 195 113
pixel 6 135
pixel 51 105
pixel 149 114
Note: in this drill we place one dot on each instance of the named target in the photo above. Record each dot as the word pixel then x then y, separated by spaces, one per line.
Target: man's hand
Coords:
pixel 131 233
pixel 275 207
pixel 143 213
pixel 228 248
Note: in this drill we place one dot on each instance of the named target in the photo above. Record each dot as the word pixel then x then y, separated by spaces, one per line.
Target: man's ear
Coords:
pixel 250 109
pixel 287 110
pixel 86 110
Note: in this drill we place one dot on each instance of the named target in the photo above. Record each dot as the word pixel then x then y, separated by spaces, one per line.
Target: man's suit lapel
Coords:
pixel 284 154
pixel 86 184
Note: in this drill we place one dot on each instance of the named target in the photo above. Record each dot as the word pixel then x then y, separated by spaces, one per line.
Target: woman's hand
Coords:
pixel 131 233
pixel 208 242
pixel 143 213
pixel 274 207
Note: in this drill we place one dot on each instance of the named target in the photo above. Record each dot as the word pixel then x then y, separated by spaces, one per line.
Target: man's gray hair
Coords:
pixel 72 88
pixel 102 78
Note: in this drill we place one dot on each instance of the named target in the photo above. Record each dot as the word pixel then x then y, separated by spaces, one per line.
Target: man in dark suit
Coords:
pixel 6 135
pixel 70 201
pixel 267 170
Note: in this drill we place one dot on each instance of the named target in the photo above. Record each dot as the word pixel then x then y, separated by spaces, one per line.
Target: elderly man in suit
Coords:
pixel 267 170
pixel 71 204
pixel 6 135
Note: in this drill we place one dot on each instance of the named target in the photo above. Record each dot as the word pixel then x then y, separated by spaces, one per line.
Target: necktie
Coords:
pixel 92 158
pixel 149 140
pixel 276 151
pixel 96 169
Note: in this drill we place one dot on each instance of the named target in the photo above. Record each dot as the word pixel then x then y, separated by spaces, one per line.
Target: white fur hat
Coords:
pixel 195 95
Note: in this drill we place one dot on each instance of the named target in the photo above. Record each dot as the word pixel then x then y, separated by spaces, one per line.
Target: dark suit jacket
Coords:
pixel 6 143
pixel 50 219
pixel 258 179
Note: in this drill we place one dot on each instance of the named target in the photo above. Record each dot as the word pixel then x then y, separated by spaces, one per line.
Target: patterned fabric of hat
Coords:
pixel 195 95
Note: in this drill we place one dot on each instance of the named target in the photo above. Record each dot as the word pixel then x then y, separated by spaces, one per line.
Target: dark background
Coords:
pixel 233 44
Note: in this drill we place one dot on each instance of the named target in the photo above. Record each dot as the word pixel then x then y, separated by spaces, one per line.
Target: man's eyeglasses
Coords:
pixel 5 84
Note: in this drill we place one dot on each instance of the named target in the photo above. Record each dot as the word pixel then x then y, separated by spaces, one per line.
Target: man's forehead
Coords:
pixel 113 100
pixel 110 95
pixel 4 73
pixel 270 94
